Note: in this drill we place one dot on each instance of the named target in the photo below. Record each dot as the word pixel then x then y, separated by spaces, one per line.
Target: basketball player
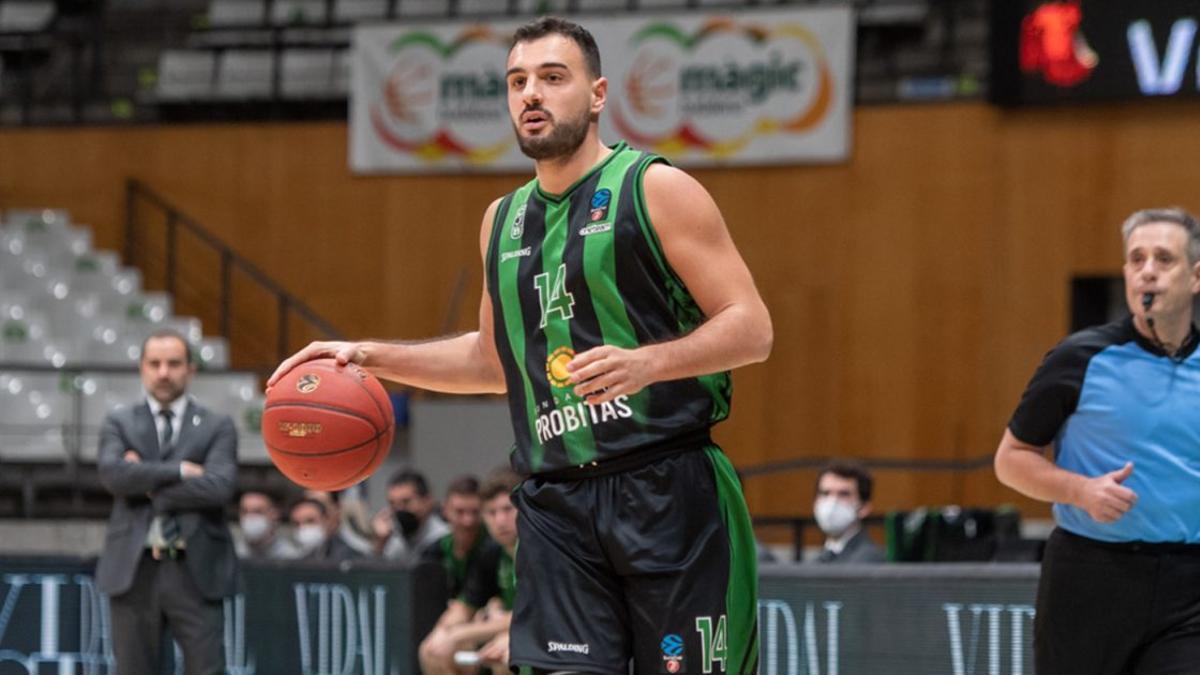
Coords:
pixel 614 304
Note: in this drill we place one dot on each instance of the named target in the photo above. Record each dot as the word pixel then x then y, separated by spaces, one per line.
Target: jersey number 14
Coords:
pixel 553 297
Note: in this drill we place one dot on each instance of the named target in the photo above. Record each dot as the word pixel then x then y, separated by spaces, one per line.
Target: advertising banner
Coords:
pixel 1061 51
pixel 291 618
pixel 703 89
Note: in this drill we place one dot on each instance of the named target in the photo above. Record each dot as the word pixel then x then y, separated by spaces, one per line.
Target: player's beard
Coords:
pixel 563 140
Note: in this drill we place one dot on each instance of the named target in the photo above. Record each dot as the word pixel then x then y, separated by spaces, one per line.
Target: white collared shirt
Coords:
pixel 177 407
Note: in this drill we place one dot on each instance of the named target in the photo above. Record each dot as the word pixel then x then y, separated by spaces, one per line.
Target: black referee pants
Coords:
pixel 1117 609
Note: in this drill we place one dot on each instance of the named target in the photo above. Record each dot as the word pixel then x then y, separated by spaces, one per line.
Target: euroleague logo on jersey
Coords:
pixel 672 652
pixel 600 201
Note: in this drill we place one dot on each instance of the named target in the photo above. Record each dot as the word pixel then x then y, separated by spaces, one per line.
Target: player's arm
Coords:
pixel 460 364
pixel 1026 469
pixel 737 328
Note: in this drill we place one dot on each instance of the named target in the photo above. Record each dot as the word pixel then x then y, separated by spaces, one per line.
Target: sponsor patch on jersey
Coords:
pixel 600 202
pixel 518 226
pixel 556 366
pixel 672 653
pixel 595 229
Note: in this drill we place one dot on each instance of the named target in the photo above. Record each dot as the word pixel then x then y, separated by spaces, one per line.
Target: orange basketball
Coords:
pixel 327 427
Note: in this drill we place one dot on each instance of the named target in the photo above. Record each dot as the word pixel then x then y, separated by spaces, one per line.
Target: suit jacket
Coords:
pixel 153 486
pixel 859 549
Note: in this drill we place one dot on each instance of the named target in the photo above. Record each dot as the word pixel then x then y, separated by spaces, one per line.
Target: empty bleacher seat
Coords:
pixel 297 12
pixel 307 73
pixel 355 11
pixel 423 8
pixel 342 59
pixel 236 13
pixel 212 353
pixel 25 16
pixel 185 75
pixel 245 74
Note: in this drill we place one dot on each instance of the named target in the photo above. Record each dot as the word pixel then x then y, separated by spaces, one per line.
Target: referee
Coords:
pixel 1120 583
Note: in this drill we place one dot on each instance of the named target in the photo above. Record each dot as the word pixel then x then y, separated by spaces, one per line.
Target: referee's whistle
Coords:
pixel 1147 300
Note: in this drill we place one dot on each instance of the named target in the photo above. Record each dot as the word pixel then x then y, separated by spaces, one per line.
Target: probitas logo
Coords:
pixel 718 88
pixel 1053 46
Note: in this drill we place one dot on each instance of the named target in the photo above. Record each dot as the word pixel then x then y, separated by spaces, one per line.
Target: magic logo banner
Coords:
pixel 756 87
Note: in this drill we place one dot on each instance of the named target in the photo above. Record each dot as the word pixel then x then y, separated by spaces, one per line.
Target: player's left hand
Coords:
pixel 495 652
pixel 603 373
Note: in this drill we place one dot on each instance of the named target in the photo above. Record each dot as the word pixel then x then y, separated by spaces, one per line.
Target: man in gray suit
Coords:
pixel 168 558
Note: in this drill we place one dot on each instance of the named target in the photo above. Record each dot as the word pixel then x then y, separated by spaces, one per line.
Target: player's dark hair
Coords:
pixel 553 25
pixel 499 481
pixel 413 478
pixel 465 486
pixel 845 468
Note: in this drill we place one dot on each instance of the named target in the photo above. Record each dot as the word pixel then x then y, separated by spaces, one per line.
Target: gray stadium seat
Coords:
pixel 423 8
pixel 185 75
pixel 213 353
pixel 236 13
pixel 307 74
pixel 297 12
pixel 25 16
pixel 355 11
pixel 245 74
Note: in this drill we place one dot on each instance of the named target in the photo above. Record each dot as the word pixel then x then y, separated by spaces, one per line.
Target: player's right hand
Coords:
pixel 1104 497
pixel 342 352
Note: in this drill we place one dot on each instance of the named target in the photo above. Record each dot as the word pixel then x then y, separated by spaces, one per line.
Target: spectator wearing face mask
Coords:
pixel 410 524
pixel 843 500
pixel 258 519
pixel 315 531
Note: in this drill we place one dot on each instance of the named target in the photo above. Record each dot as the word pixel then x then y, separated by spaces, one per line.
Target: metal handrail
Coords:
pixel 287 303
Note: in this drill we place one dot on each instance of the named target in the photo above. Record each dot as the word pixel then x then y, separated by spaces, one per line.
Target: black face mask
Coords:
pixel 408 522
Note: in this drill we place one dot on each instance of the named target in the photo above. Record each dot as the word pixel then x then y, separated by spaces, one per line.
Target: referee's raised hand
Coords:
pixel 1104 497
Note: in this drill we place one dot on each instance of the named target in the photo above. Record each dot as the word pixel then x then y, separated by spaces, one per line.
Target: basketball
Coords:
pixel 327 427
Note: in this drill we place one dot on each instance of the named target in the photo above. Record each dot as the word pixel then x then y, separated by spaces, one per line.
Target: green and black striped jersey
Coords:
pixel 570 272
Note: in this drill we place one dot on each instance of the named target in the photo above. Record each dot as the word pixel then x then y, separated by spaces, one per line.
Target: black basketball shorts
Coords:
pixel 655 564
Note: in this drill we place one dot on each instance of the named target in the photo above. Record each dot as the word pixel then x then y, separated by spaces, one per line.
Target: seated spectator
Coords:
pixel 479 618
pixel 410 524
pixel 260 539
pixel 458 551
pixel 843 500
pixel 350 512
pixel 316 532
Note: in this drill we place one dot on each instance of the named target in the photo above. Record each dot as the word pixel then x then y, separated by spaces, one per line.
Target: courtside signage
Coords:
pixel 702 89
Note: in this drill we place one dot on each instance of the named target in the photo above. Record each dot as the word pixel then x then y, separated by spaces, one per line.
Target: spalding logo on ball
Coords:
pixel 328 427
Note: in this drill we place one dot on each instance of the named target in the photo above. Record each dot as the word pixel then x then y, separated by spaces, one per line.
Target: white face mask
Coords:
pixel 834 516
pixel 255 526
pixel 310 537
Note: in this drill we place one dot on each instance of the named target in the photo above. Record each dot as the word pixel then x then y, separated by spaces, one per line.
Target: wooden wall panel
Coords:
pixel 913 289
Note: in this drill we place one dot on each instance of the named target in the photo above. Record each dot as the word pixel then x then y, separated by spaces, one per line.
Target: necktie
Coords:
pixel 170 526
pixel 167 432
